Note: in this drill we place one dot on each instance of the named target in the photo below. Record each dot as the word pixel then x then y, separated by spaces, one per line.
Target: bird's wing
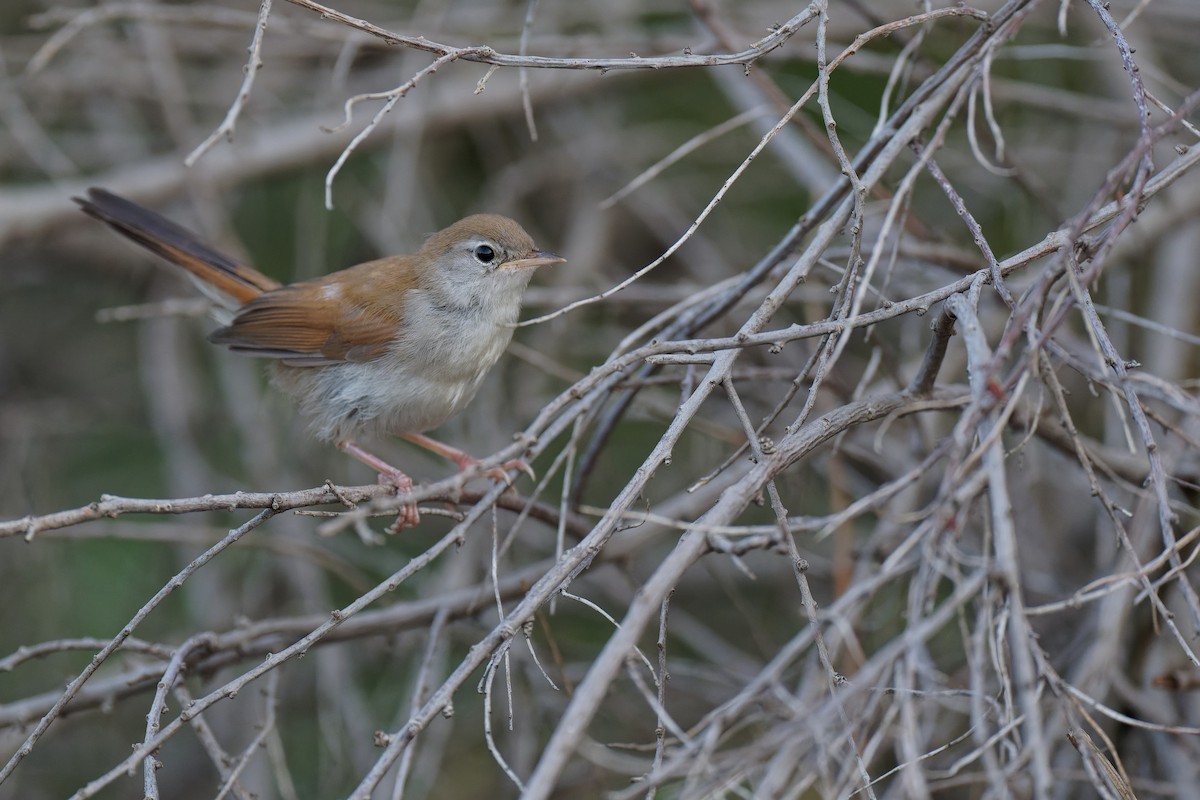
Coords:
pixel 334 319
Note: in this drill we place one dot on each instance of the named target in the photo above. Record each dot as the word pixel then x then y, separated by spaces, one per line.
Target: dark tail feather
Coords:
pixel 235 283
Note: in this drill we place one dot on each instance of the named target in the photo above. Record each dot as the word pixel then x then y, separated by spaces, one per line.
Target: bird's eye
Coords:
pixel 485 254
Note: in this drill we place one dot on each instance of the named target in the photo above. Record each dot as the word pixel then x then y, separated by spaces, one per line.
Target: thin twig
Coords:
pixel 253 65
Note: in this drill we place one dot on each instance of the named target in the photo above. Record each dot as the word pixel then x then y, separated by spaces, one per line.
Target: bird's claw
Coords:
pixel 500 472
pixel 407 516
pixel 521 465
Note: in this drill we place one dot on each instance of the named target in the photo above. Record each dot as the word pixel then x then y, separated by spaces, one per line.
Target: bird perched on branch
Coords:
pixel 393 346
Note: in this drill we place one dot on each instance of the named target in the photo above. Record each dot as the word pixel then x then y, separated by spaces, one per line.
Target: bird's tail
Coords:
pixel 228 282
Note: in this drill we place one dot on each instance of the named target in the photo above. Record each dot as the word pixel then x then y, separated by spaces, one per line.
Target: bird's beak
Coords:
pixel 536 258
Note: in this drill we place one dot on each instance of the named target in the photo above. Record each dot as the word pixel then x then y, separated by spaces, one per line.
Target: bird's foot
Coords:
pixel 519 464
pixel 467 462
pixel 498 472
pixel 388 476
pixel 407 516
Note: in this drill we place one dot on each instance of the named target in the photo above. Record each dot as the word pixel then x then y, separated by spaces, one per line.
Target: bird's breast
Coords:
pixel 431 372
pixel 453 344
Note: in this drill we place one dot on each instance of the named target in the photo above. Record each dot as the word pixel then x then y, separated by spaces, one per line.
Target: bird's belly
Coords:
pixel 409 390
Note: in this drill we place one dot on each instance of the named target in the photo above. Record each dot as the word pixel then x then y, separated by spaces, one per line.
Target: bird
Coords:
pixel 394 346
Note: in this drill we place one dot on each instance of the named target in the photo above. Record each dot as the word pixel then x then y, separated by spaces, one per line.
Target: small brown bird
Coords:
pixel 394 346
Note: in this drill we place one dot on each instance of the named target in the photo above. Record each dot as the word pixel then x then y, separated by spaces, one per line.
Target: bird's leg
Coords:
pixel 466 461
pixel 389 476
